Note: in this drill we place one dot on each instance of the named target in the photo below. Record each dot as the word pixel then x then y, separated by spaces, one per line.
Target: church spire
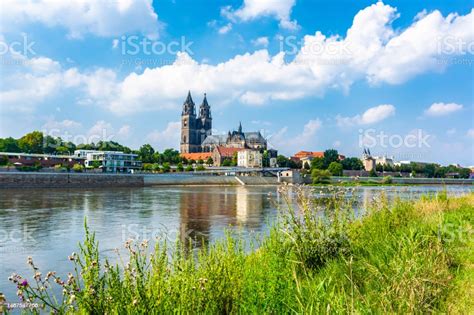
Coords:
pixel 205 109
pixel 188 105
pixel 240 127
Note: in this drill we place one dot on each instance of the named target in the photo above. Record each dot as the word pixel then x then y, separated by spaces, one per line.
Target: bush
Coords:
pixel 387 180
pixel 189 168
pixel 156 167
pixel 320 176
pixel 3 160
pixel 335 168
pixel 200 167
pixel 147 167
pixel 180 167
pixel 373 173
pixel 316 237
pixel 78 168
pixel 166 167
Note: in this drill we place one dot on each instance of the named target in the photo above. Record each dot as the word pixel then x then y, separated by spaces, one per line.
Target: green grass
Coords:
pixel 404 257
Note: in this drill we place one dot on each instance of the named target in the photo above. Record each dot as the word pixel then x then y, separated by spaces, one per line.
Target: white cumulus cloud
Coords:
pixel 80 17
pixel 167 138
pixel 372 50
pixel 253 9
pixel 261 41
pixel 441 109
pixel 371 116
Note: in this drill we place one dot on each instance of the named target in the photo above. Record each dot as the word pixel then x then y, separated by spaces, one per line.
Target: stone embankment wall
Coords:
pixel 101 180
pixel 191 180
pixel 68 180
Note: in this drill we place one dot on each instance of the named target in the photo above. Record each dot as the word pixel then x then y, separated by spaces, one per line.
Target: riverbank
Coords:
pixel 404 257
pixel 100 180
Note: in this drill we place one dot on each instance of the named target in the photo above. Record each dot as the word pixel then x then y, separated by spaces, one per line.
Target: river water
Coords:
pixel 48 224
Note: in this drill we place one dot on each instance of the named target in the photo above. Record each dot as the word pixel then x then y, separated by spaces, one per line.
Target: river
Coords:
pixel 48 224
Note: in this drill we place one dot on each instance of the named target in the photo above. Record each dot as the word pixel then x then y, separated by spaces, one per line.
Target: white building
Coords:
pixel 384 160
pixel 110 161
pixel 249 158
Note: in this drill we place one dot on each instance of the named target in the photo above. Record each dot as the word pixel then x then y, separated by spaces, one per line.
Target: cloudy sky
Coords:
pixel 395 76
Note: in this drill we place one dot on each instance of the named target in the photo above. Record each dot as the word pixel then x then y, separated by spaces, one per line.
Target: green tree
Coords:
pixel 3 160
pixel 9 145
pixel 226 162
pixel 234 159
pixel 210 161
pixel 180 167
pixel 189 168
pixel 31 142
pixel 330 156
pixel 145 154
pixel 430 170
pixel 318 163
pixel 282 161
pixel 171 156
pixel 320 176
pixel 265 159
pixel 352 163
pixel 335 168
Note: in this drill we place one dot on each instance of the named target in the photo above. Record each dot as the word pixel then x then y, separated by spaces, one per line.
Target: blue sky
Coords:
pixel 395 76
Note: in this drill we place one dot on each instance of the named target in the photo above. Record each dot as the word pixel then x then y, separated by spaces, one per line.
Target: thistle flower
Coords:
pixel 37 276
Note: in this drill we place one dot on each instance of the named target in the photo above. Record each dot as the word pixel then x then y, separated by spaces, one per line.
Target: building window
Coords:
pixel 184 139
pixel 185 122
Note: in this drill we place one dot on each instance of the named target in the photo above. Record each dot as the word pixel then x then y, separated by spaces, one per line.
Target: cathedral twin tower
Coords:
pixel 194 130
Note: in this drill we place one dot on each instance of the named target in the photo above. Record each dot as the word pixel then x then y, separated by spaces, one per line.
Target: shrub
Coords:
pixel 180 167
pixel 189 168
pixel 78 168
pixel 373 173
pixel 3 160
pixel 335 168
pixel 318 235
pixel 320 176
pixel 156 167
pixel 387 180
pixel 200 167
pixel 166 167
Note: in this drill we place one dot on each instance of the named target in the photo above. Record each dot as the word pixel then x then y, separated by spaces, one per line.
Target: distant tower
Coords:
pixel 189 133
pixel 204 120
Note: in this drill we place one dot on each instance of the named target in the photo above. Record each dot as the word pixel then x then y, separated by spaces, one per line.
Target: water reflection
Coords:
pixel 206 212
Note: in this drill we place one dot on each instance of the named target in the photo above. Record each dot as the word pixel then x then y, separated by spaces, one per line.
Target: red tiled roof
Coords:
pixel 227 152
pixel 303 154
pixel 196 156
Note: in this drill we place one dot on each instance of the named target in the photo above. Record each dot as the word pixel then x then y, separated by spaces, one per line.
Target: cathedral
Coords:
pixel 196 131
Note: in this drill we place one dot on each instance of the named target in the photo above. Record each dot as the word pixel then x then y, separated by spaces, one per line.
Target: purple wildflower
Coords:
pixel 24 283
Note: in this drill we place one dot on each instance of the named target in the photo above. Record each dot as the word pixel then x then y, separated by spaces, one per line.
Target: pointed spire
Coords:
pixel 205 109
pixel 204 101
pixel 188 105
pixel 240 127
